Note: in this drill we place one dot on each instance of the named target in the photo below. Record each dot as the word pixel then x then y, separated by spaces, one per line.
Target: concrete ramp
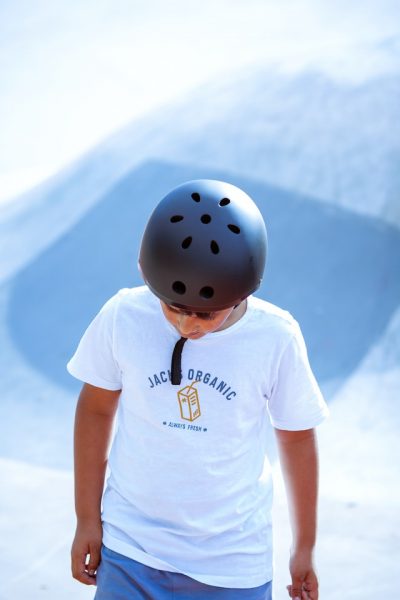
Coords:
pixel 336 271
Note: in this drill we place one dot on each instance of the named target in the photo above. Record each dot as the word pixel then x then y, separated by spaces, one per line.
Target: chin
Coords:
pixel 194 336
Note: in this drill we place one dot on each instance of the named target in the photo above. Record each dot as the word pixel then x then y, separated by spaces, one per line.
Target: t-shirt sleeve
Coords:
pixel 296 402
pixel 95 361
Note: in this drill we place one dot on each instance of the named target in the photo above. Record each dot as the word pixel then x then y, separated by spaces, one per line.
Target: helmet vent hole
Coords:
pixel 234 228
pixel 179 287
pixel 176 218
pixel 196 197
pixel 224 202
pixel 214 247
pixel 186 242
pixel 205 219
pixel 206 292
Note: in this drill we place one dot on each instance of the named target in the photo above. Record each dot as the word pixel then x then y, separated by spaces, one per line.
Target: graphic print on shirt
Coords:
pixel 189 403
pixel 186 399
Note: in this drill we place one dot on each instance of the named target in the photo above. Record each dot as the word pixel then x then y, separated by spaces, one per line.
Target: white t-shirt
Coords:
pixel 190 487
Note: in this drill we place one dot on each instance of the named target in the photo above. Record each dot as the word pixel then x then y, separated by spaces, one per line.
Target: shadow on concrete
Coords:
pixel 336 271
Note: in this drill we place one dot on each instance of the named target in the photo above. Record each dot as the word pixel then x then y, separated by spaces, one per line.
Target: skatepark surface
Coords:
pixel 321 158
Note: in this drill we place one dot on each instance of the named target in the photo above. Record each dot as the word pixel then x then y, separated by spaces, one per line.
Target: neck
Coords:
pixel 236 314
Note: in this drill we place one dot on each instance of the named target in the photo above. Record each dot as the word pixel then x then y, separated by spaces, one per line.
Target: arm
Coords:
pixel 299 461
pixel 93 427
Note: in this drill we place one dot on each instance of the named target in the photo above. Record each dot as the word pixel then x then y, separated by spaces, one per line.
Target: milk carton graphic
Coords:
pixel 189 402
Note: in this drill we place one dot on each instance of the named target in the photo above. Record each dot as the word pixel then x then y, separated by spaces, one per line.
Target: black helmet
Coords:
pixel 204 246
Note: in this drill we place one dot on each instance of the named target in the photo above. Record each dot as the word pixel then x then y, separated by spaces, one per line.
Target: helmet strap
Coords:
pixel 176 370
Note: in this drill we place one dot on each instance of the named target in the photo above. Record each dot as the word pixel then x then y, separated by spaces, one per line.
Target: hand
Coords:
pixel 85 551
pixel 304 579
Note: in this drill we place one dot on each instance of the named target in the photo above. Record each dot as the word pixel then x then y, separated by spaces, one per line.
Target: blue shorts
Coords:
pixel 121 578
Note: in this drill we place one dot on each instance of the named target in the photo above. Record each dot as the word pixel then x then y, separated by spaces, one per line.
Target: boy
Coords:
pixel 196 366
